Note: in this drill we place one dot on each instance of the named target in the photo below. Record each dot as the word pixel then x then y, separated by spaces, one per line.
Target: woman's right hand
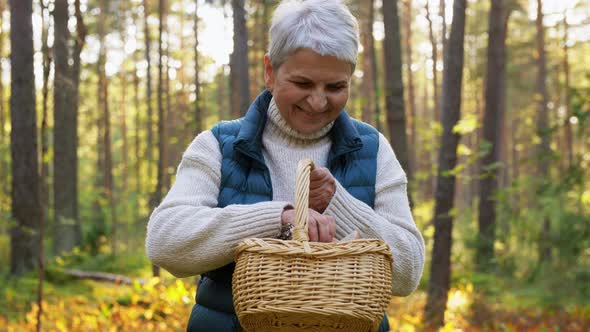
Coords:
pixel 321 228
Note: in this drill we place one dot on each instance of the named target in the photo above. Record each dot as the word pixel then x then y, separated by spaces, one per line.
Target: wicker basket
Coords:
pixel 297 285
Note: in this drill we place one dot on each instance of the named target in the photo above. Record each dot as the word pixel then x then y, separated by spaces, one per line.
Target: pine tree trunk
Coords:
pixel 150 132
pixel 431 157
pixel 440 270
pixel 434 47
pixel 198 115
pixel 543 148
pixel 170 118
pixel 368 88
pixel 443 15
pixel 26 200
pixel 221 94
pixel 124 173
pixel 240 59
pixel 138 155
pixel 495 108
pixel 65 148
pixel 45 99
pixel 376 80
pixel 410 79
pixel 569 146
pixel 4 182
pixel 123 122
pixel 394 89
pixel 103 101
pixel 162 159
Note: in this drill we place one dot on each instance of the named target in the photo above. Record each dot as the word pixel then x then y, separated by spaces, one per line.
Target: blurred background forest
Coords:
pixel 486 104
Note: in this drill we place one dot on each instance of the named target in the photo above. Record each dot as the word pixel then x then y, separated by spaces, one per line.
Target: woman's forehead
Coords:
pixel 308 64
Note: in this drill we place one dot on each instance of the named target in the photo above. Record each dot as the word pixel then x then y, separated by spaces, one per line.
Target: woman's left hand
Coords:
pixel 322 187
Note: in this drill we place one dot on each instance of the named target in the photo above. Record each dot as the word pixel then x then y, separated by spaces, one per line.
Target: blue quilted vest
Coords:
pixel 245 179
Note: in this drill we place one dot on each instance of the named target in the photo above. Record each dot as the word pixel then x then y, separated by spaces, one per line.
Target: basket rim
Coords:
pixel 270 246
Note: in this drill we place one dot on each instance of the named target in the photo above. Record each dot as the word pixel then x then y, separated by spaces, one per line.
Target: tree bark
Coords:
pixel 65 138
pixel 138 147
pixel 543 148
pixel 443 15
pixel 495 108
pixel 368 99
pixel 240 59
pixel 103 276
pixel 434 47
pixel 198 115
pixel 440 270
pixel 26 201
pixel 105 140
pixel 410 80
pixel 150 132
pixel 4 183
pixel 394 88
pixel 162 156
pixel 44 92
pixel 569 146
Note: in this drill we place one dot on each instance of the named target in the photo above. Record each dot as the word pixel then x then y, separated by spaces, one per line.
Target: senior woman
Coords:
pixel 237 180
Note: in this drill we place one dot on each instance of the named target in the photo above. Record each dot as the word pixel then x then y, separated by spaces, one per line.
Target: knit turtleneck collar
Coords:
pixel 284 129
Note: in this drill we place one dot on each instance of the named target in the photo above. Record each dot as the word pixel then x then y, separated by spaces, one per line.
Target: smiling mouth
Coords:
pixel 310 113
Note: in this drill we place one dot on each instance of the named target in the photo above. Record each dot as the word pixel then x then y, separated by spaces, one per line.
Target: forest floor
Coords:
pixel 476 303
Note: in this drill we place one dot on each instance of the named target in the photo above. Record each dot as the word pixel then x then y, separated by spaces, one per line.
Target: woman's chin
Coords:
pixel 307 129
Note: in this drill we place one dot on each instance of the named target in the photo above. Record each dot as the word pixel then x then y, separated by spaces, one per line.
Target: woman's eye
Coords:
pixel 303 84
pixel 336 87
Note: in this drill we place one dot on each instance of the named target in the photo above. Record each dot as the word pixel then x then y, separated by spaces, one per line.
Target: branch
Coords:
pixel 103 276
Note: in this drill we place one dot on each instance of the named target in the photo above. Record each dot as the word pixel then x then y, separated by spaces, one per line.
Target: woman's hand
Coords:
pixel 322 187
pixel 320 228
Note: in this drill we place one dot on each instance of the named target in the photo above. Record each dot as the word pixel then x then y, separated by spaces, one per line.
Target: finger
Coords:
pixel 332 227
pixel 324 229
pixel 318 178
pixel 318 173
pixel 312 228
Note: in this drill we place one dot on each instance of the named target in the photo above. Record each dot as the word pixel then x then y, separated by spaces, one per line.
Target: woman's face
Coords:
pixel 309 89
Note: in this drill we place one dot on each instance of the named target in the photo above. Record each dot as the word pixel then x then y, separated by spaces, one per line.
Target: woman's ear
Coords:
pixel 268 73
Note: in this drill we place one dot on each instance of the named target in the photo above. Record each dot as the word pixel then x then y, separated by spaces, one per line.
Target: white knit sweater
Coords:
pixel 188 235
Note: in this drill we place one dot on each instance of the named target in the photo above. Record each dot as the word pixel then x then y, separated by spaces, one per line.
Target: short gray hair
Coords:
pixel 325 26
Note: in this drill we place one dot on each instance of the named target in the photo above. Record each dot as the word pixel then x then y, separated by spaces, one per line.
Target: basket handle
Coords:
pixel 304 169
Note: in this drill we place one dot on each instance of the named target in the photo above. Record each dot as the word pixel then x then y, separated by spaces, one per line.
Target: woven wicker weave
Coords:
pixel 297 285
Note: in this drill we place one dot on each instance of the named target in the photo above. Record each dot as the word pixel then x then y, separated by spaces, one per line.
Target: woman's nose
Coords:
pixel 318 100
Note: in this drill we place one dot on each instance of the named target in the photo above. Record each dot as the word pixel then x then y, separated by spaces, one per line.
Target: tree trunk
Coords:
pixel 198 115
pixel 45 93
pixel 433 45
pixel 376 84
pixel 65 138
pixel 368 99
pixel 543 148
pixel 440 270
pixel 240 59
pixel 4 182
pixel 103 102
pixel 569 147
pixel 138 154
pixel 394 88
pixel 162 159
pixel 221 94
pixel 150 133
pixel 170 118
pixel 436 114
pixel 443 15
pixel 26 201
pixel 495 108
pixel 410 80
pixel 123 196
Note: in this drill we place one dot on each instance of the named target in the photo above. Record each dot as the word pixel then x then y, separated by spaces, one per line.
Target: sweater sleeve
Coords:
pixel 187 234
pixel 391 219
